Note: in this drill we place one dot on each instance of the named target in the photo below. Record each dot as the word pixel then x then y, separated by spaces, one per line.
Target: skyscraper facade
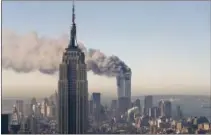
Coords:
pixel 15 121
pixel 178 112
pixel 124 83
pixel 90 107
pixel 123 105
pixel 72 89
pixel 168 109
pixel 138 104
pixel 96 105
pixel 113 104
pixel 44 107
pixel 5 123
pixel 155 112
pixel 148 103
pixel 124 90
pixel 165 108
pixel 19 105
pixel 162 107
pixel 33 124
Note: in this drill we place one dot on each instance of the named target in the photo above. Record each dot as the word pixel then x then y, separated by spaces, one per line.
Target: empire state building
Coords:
pixel 72 88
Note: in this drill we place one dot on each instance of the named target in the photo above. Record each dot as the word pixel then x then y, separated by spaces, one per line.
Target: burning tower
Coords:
pixel 124 89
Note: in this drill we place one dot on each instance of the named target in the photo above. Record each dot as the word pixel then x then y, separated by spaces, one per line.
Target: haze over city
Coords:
pixel 166 44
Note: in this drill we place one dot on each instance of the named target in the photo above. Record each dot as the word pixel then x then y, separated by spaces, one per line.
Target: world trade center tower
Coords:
pixel 72 88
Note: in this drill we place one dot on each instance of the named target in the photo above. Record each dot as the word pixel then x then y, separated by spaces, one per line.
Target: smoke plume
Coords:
pixel 26 53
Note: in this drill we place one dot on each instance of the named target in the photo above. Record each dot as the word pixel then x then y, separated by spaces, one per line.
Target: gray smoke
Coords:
pixel 26 53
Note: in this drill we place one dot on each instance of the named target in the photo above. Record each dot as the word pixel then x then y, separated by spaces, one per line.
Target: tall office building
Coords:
pixel 96 99
pixel 124 83
pixel 15 121
pixel 165 108
pixel 148 103
pixel 72 88
pixel 33 124
pixel 5 123
pixel 90 107
pixel 124 89
pixel 178 112
pixel 20 110
pixel 56 104
pixel 27 109
pixel 123 105
pixel 138 104
pixel 113 104
pixel 155 112
pixel 33 101
pixel 161 107
pixel 51 110
pixel 44 107
pixel 19 106
pixel 113 108
pixel 168 109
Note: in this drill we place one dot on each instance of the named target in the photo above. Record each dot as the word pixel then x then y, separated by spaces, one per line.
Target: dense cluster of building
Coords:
pixel 39 118
pixel 32 118
pixel 147 119
pixel 70 112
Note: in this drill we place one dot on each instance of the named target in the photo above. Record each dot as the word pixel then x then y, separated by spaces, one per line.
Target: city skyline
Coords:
pixel 169 43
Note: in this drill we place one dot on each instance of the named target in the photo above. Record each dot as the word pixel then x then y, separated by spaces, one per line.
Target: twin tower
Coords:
pixel 124 90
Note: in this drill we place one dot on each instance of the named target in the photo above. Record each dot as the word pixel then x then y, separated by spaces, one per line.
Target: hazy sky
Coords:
pixel 166 44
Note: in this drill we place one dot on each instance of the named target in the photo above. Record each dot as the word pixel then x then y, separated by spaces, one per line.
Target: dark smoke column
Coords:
pixel 73 89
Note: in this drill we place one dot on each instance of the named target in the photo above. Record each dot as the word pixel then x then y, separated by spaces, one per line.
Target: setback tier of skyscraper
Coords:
pixel 72 89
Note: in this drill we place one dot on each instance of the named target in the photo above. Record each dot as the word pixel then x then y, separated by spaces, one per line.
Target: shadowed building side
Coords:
pixel 5 123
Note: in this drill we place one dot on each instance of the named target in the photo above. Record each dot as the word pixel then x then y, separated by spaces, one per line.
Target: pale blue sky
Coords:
pixel 168 41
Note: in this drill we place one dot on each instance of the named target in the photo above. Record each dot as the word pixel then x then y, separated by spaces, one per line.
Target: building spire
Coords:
pixel 73 28
pixel 73 12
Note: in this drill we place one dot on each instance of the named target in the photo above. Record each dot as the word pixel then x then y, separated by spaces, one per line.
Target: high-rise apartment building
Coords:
pixel 148 104
pixel 73 88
